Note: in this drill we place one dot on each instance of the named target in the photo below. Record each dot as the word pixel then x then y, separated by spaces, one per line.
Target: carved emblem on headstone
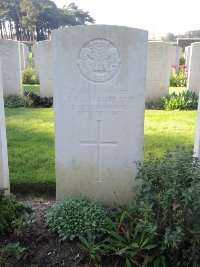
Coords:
pixel 99 60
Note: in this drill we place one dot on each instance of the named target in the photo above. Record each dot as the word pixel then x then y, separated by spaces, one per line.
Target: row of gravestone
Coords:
pixel 192 55
pixel 14 58
pixel 160 58
pixel 99 77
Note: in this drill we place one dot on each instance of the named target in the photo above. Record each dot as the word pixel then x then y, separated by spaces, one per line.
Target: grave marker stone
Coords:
pixel 197 135
pixel 187 56
pixel 44 63
pixel 11 67
pixel 193 83
pixel 158 70
pixel 99 100
pixel 4 172
pixel 35 57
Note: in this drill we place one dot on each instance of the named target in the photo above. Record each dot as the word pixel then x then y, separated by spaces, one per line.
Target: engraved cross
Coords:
pixel 99 143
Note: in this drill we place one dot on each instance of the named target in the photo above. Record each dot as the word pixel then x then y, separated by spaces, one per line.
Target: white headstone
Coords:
pixel 44 54
pixel 197 135
pixel 99 100
pixel 158 70
pixel 178 55
pixel 11 66
pixel 4 172
pixel 35 58
pixel 187 56
pixel 26 52
pixel 193 83
pixel 22 56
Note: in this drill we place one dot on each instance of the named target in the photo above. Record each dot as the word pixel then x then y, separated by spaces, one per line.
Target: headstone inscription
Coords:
pixel 99 100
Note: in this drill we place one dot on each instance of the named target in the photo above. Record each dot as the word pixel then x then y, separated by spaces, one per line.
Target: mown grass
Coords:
pixel 167 129
pixel 35 88
pixel 30 134
pixel 177 89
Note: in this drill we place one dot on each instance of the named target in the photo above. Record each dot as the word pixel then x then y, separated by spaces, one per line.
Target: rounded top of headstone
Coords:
pixel 97 26
pixel 195 44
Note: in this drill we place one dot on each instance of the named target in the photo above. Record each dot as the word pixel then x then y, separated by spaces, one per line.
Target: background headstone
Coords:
pixel 26 52
pixel 187 56
pixel 35 58
pixel 44 63
pixel 176 55
pixel 22 56
pixel 11 66
pixel 193 83
pixel 158 70
pixel 197 135
pixel 99 100
pixel 4 172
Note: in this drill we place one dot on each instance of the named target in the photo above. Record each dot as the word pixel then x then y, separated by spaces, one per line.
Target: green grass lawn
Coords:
pixel 167 129
pixel 35 88
pixel 30 134
pixel 177 89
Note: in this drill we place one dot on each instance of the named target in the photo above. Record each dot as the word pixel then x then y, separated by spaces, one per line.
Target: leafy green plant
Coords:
pixel 161 228
pixel 28 100
pixel 74 217
pixel 89 244
pixel 11 254
pixel 10 210
pixel 169 199
pixel 178 78
pixel 186 100
pixel 130 239
pixel 29 76
pixel 13 101
pixel 182 60
pixel 20 225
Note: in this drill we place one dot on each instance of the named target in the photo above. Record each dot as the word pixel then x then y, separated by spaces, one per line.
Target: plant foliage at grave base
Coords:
pixel 29 76
pixel 162 226
pixel 74 217
pixel 28 99
pixel 178 77
pixel 10 210
pixel 154 105
pixel 186 100
pixel 11 254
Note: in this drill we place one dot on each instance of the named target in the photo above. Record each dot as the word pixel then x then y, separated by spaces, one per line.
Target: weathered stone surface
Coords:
pixel 11 66
pixel 4 172
pixel 44 64
pixel 193 83
pixel 187 56
pixel 99 99
pixel 197 135
pixel 158 70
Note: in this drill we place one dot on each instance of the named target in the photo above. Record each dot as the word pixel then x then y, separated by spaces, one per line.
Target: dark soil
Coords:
pixel 42 247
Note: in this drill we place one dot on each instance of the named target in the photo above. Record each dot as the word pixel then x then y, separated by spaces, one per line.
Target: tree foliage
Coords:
pixel 34 19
